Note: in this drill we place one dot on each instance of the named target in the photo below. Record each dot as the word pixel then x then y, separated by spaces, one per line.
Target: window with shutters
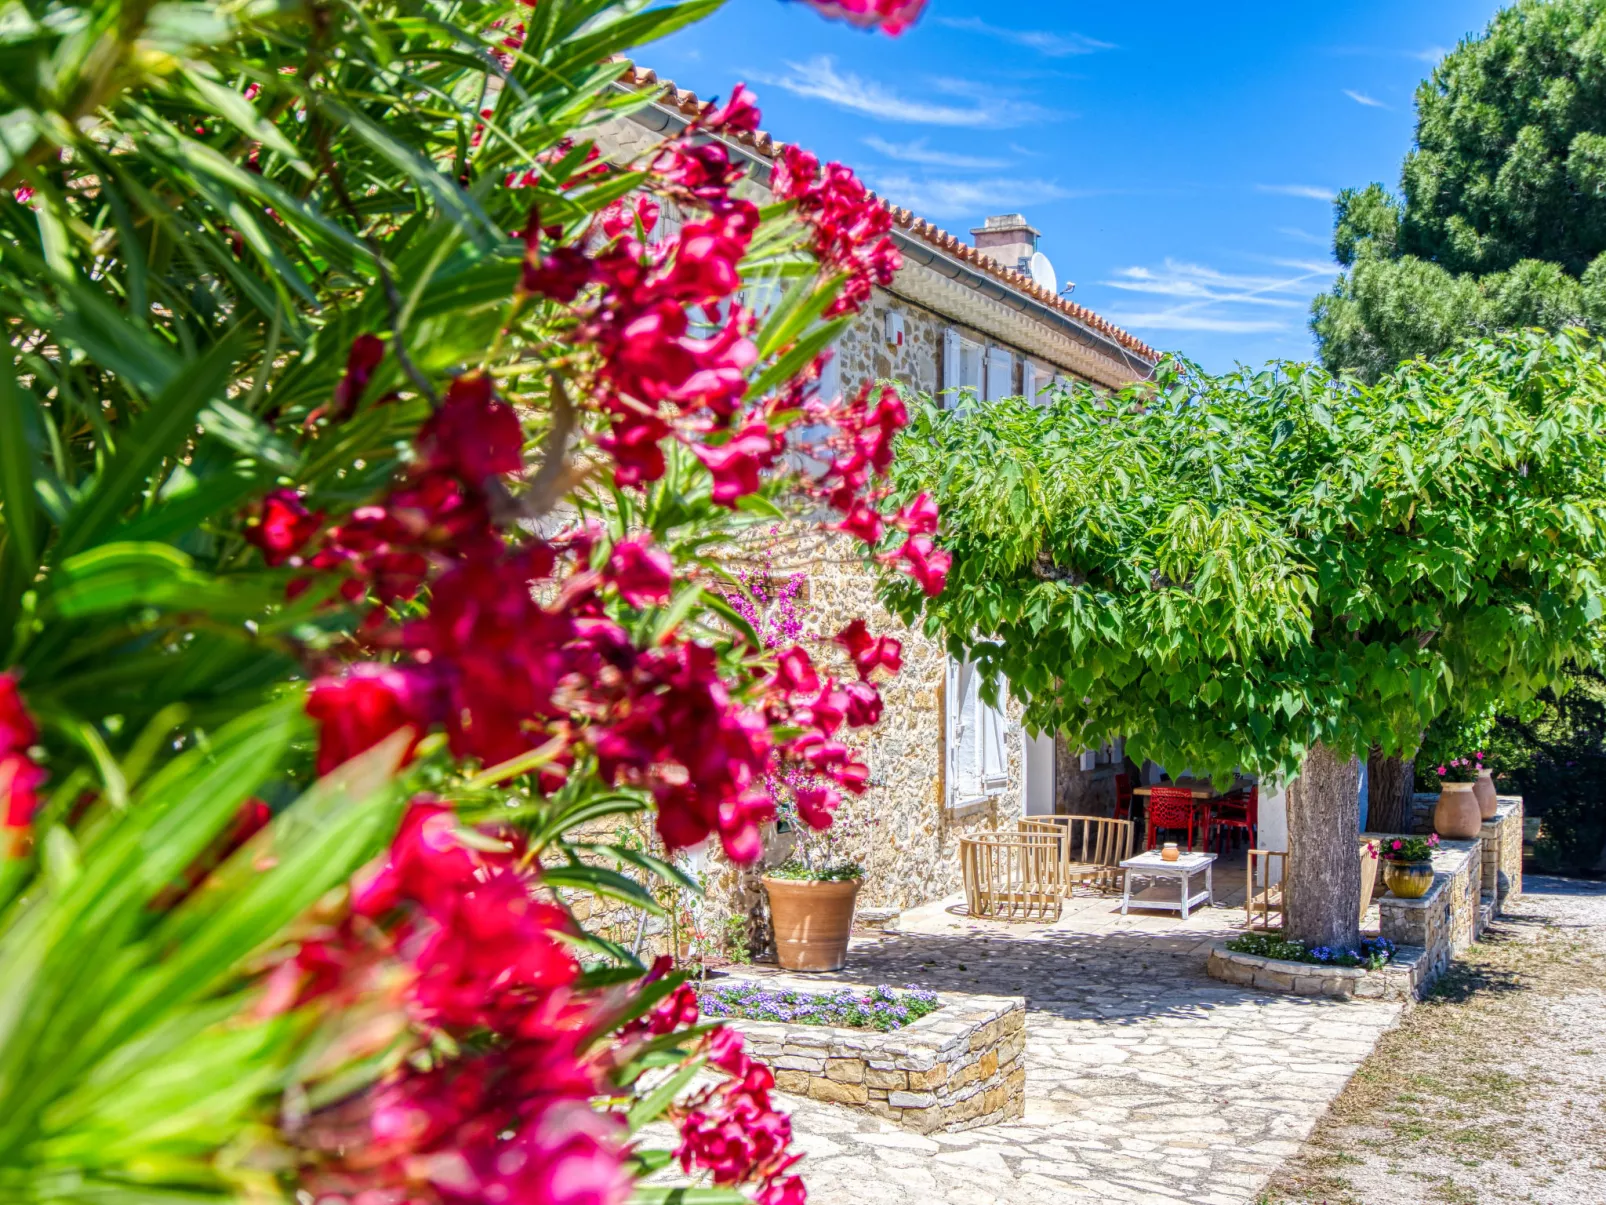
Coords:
pixel 1000 374
pixel 963 367
pixel 978 764
pixel 1037 383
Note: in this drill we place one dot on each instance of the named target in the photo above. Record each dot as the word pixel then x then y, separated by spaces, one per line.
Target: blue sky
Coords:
pixel 1178 158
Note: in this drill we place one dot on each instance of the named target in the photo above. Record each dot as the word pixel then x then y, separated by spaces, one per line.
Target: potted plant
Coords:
pixel 1408 865
pixel 1483 788
pixel 811 909
pixel 1457 814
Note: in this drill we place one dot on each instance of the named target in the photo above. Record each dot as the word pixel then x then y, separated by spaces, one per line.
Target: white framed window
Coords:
pixel 1000 374
pixel 978 764
pixel 805 440
pixel 1037 383
pixel 963 367
pixel 831 376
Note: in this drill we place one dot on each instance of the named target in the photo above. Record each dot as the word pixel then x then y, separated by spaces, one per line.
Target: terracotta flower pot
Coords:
pixel 1408 880
pixel 812 922
pixel 1457 815
pixel 1484 790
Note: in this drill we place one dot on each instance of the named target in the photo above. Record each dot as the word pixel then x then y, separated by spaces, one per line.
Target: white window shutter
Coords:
pixel 973 368
pixel 994 759
pixel 669 224
pixel 1000 374
pixel 1028 381
pixel 953 705
pixel 968 740
pixel 831 376
pixel 950 362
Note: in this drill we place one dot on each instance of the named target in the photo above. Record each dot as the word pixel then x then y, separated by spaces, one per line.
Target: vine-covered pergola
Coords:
pixel 1273 571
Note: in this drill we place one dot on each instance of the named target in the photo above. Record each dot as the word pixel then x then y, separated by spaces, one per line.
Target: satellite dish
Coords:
pixel 1043 272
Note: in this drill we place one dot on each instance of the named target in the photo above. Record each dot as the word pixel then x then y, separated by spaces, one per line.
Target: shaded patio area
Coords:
pixel 1146 1080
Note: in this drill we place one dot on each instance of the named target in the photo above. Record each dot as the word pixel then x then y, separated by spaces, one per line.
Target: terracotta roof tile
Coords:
pixel 691 105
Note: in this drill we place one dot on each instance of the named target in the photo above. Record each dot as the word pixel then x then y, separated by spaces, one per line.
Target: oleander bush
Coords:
pixel 365 453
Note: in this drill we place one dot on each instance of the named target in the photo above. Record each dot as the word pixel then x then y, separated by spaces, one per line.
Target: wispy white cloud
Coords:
pixel 1172 320
pixel 1428 54
pixel 819 79
pixel 919 152
pixel 1360 98
pixel 1054 45
pixel 974 198
pixel 1207 299
pixel 1311 191
pixel 1302 236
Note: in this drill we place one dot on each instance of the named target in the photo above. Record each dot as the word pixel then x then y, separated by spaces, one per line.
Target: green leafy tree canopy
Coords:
pixel 1501 221
pixel 1232 571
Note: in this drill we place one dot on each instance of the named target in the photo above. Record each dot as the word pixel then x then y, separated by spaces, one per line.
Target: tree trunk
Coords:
pixel 1323 892
pixel 1390 782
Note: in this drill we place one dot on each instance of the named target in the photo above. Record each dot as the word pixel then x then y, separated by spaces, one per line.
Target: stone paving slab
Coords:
pixel 1146 1080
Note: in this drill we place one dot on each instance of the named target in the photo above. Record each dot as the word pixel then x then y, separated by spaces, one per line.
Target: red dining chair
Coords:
pixel 1237 810
pixel 1169 807
pixel 1123 796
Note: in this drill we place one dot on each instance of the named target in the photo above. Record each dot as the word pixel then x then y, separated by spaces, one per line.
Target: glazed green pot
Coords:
pixel 1408 880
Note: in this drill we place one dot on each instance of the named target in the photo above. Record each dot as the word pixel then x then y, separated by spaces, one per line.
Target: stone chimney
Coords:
pixel 1009 239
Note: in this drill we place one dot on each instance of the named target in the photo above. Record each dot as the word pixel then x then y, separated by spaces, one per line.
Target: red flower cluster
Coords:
pixel 851 228
pixel 282 526
pixel 511 1122
pixel 861 451
pixel 20 778
pixel 652 366
pixel 733 1131
pixel 531 642
pixel 890 16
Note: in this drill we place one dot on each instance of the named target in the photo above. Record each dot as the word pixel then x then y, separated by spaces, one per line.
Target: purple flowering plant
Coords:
pixel 1372 953
pixel 880 1008
pixel 776 607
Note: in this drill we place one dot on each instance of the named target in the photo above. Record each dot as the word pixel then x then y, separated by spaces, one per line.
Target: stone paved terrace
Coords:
pixel 1146 1080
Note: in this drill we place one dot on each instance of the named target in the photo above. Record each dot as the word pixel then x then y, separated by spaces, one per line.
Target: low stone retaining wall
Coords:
pixel 1398 980
pixel 1502 851
pixel 1470 881
pixel 954 1069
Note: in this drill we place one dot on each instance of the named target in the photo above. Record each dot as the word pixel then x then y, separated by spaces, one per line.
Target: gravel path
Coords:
pixel 1493 1090
pixel 1146 1080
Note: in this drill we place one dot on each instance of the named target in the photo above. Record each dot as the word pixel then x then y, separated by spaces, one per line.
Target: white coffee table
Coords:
pixel 1152 865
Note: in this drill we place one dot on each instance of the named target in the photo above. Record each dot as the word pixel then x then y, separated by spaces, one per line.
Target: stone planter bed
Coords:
pixel 1471 879
pixel 954 1069
pixel 1398 979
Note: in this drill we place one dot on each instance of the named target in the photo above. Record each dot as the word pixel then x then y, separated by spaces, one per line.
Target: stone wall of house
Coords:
pixel 1079 792
pixel 900 829
pixel 863 353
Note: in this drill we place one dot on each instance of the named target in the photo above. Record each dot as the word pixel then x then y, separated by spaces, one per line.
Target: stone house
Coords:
pixel 987 316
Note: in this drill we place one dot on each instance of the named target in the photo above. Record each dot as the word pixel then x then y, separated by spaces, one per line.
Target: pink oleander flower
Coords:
pixel 362 707
pixel 17 728
pixel 20 780
pixel 473 434
pixel 889 16
pixel 361 362
pixel 642 573
pixel 282 526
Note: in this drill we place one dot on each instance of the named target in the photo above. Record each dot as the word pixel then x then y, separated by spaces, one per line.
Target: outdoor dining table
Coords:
pixel 1198 788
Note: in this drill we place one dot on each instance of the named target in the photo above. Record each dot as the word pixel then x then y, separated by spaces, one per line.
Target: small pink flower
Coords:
pixel 1441 771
